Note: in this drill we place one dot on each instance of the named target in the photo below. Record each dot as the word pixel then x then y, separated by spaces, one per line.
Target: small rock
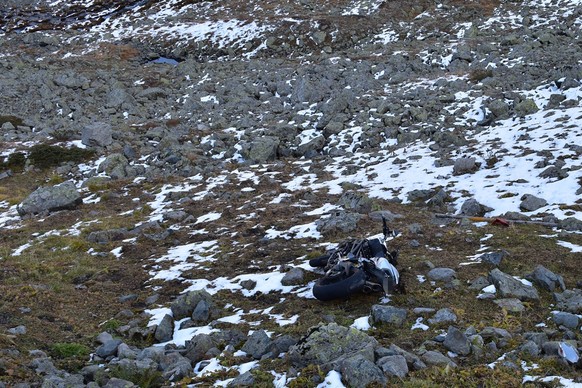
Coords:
pixel 246 379
pixel 201 312
pixel 393 365
pixel 359 371
pixel 109 348
pixel 165 330
pixel 444 315
pixel 493 258
pixel 433 357
pixel 388 315
pixel 530 203
pixel 510 304
pixel 293 277
pixel 473 208
pixel 248 284
pixel 257 345
pixel 568 320
pixel 18 330
pixel 442 274
pixel 464 166
pixel 457 342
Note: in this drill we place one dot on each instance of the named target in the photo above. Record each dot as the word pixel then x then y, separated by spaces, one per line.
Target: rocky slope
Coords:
pixel 256 133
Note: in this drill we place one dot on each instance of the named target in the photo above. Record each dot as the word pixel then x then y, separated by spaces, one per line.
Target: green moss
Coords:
pixel 310 376
pixel 111 325
pixel 67 350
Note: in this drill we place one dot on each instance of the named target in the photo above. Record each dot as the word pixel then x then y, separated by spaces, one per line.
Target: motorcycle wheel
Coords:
pixel 320 261
pixel 339 286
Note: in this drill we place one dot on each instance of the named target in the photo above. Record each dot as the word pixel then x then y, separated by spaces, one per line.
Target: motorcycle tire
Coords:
pixel 340 286
pixel 320 261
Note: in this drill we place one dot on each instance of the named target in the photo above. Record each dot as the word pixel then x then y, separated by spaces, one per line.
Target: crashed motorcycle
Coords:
pixel 358 266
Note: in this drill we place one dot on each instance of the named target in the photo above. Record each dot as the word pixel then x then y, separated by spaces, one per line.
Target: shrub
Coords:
pixel 46 156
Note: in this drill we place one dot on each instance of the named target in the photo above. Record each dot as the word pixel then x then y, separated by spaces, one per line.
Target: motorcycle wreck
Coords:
pixel 354 266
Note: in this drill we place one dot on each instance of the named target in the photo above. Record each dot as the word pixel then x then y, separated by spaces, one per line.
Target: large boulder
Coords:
pixel 184 305
pixel 48 199
pixel 97 134
pixel 343 221
pixel 543 277
pixel 360 371
pixel 328 345
pixel 388 315
pixel 260 149
pixel 509 287
pixel 257 345
pixel 116 166
pixel 569 300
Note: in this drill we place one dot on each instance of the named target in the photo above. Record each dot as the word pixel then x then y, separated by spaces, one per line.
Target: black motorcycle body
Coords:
pixel 357 266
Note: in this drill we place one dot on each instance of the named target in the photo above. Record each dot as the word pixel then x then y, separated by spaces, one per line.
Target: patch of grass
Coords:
pixel 475 376
pixel 310 376
pixel 111 325
pixel 46 156
pixel 66 350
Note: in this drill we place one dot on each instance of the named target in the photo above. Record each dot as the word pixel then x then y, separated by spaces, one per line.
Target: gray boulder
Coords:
pixel 359 371
pixel 546 279
pixel 261 149
pixel 525 107
pixel 442 274
pixel 571 223
pixel 48 199
pixel 388 315
pixel 444 315
pixel 108 348
pixel 414 362
pixel 531 202
pixel 508 287
pixel 293 277
pixel 433 357
pixel 465 166
pixel 456 341
pixel 114 382
pixel 352 200
pixel 328 345
pixel 165 330
pixel 473 208
pixel 393 365
pixel 569 320
pixel 185 304
pixel 510 304
pixel 116 166
pixel 201 312
pixel 343 221
pixel 175 367
pixel 493 258
pixel 197 347
pixel 97 134
pixel 569 300
pixel 243 380
pixel 257 345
